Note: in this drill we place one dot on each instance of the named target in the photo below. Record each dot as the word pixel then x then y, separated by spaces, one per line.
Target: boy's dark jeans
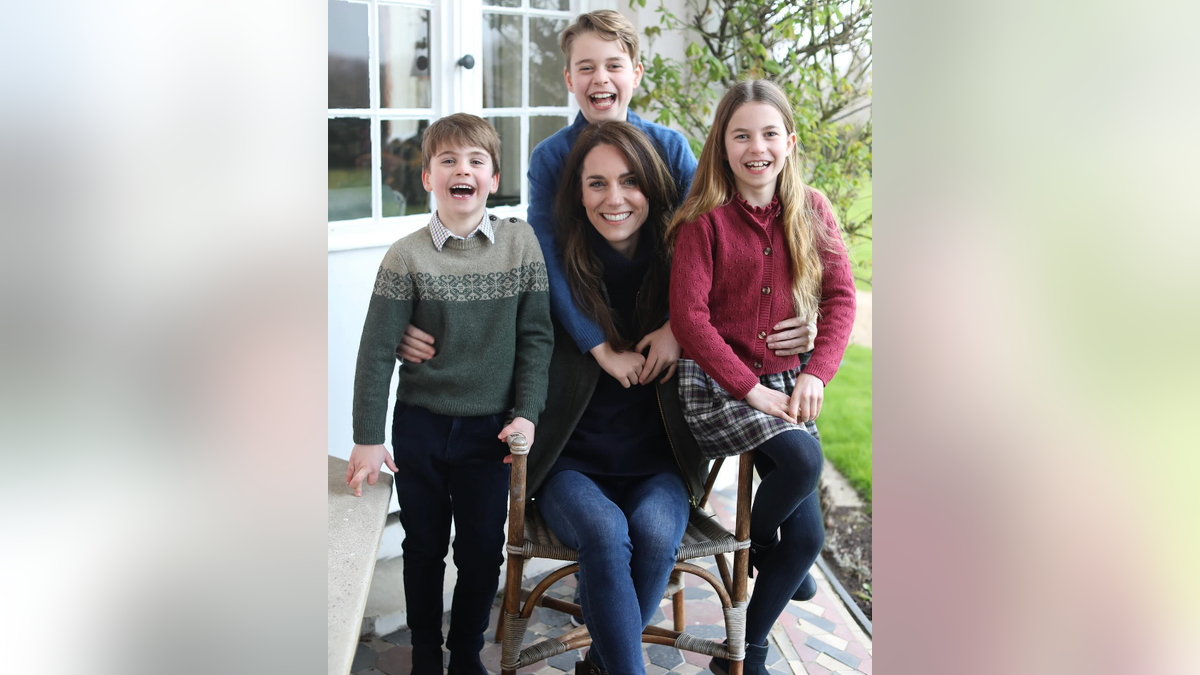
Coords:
pixel 450 467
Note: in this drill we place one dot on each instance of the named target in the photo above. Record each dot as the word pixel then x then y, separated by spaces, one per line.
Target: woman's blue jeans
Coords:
pixel 627 532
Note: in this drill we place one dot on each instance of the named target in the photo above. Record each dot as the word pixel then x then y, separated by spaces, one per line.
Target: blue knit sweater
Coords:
pixel 545 165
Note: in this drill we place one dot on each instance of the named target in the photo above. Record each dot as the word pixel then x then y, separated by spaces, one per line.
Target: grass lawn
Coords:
pixel 845 420
pixel 860 252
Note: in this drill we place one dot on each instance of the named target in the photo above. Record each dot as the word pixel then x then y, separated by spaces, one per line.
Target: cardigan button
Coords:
pixel 766 290
pixel 767 251
pixel 762 335
pixel 757 365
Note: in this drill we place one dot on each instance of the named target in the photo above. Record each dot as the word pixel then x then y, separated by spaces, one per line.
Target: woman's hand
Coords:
pixel 807 397
pixel 771 402
pixel 416 345
pixel 623 366
pixel 794 336
pixel 664 353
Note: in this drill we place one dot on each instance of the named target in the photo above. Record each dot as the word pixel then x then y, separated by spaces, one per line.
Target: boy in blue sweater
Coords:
pixel 603 68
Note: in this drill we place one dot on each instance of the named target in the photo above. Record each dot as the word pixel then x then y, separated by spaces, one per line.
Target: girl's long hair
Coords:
pixel 585 272
pixel 714 185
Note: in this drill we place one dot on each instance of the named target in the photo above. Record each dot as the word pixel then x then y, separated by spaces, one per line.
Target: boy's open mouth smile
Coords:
pixel 462 191
pixel 603 100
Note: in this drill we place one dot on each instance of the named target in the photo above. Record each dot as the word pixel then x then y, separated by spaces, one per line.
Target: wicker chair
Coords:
pixel 530 537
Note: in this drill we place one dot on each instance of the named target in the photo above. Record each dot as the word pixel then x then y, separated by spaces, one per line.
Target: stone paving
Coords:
pixel 817 637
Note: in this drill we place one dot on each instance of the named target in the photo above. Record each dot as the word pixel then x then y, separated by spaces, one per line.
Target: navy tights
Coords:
pixel 786 501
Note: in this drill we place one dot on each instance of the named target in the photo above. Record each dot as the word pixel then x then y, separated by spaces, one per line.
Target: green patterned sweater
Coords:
pixel 487 306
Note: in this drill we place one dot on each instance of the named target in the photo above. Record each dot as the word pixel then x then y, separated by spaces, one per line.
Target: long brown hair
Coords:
pixel 714 185
pixel 585 272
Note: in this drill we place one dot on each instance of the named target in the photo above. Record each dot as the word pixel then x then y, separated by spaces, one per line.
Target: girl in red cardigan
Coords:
pixel 754 246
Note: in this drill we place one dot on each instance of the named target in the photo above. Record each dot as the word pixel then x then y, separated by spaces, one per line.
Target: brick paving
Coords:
pixel 817 637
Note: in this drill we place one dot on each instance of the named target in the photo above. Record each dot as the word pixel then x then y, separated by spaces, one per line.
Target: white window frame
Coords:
pixel 525 111
pixel 456 29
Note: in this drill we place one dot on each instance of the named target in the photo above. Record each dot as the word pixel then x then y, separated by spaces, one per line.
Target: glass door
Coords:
pixel 397 65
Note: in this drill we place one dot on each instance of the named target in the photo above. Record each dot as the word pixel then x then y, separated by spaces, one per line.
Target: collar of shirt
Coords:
pixel 440 233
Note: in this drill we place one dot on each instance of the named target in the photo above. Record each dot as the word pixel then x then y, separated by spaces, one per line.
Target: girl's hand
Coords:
pixel 519 425
pixel 416 345
pixel 623 366
pixel 794 336
pixel 771 402
pixel 664 353
pixel 807 397
pixel 364 463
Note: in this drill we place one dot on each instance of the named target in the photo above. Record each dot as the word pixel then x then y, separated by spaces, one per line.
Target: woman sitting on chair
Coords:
pixel 615 466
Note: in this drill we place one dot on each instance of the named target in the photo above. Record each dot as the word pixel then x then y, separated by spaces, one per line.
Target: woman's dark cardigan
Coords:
pixel 573 378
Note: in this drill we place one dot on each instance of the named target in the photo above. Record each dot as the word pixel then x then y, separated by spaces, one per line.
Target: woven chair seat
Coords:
pixel 704 536
pixel 530 537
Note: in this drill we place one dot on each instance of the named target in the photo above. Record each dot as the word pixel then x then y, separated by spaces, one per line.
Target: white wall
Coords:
pixel 351 279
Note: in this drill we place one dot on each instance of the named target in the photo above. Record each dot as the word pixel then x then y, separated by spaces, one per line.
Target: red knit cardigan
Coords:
pixel 731 283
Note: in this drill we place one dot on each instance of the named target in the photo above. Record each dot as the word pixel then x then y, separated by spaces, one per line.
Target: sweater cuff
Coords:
pixel 820 371
pixel 368 434
pixel 530 413
pixel 740 387
pixel 587 338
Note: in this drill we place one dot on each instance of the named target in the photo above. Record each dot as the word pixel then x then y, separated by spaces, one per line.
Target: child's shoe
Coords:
pixel 759 553
pixel 807 590
pixel 758 556
pixel 588 667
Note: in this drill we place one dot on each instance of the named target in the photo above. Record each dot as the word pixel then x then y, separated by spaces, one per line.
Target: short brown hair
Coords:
pixel 460 130
pixel 606 23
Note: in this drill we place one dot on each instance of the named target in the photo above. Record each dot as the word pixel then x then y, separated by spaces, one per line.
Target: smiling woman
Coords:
pixel 615 484
pixel 615 188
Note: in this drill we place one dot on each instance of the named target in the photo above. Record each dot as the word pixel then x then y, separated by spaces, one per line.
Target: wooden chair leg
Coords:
pixel 677 599
pixel 723 568
pixel 512 594
pixel 741 559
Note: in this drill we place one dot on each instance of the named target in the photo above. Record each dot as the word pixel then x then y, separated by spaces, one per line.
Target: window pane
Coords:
pixel 403 57
pixel 349 169
pixel 403 194
pixel 546 62
pixel 509 193
pixel 503 3
pixel 502 62
pixel 348 48
pixel 564 5
pixel 541 128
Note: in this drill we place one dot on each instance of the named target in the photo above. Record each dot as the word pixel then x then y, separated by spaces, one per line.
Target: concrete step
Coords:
pixel 354 531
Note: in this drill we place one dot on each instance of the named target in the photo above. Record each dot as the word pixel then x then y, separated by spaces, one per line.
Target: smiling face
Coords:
pixel 756 145
pixel 460 180
pixel 614 203
pixel 602 77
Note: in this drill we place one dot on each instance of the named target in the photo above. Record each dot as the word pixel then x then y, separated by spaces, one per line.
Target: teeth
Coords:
pixel 601 97
pixel 616 217
pixel 756 165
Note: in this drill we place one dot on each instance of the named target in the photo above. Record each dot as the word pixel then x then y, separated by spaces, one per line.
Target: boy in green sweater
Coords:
pixel 478 284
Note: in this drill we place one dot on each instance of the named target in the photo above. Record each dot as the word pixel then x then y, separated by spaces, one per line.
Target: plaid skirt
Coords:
pixel 724 426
